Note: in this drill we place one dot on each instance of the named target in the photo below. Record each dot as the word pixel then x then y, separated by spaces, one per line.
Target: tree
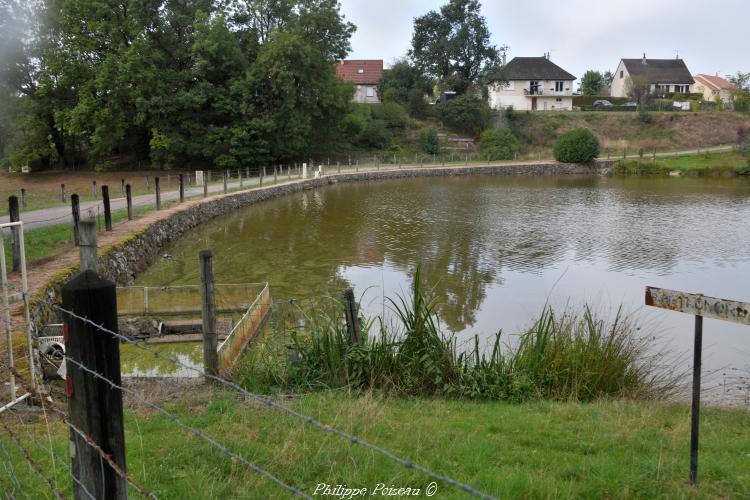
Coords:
pixel 467 114
pixel 401 78
pixel 579 145
pixel 740 80
pixel 638 89
pixel 607 78
pixel 453 45
pixel 428 139
pixel 592 83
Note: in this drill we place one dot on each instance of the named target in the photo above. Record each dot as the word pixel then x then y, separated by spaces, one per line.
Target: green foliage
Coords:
pixel 428 139
pixel 466 114
pixel 577 146
pixel 418 107
pixel 644 116
pixel 588 100
pixel 592 83
pixel 499 144
pixel 403 79
pixel 453 45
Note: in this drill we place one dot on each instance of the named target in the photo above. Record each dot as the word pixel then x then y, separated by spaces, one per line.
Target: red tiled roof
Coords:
pixel 715 82
pixel 362 72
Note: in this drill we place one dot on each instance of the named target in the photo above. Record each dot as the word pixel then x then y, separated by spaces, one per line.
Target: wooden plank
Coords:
pixel 180 339
pixel 699 305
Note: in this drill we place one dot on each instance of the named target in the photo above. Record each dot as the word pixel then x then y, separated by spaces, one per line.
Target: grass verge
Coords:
pixel 728 163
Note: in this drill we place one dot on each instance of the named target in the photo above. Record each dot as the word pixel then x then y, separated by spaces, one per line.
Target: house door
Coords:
pixel 533 104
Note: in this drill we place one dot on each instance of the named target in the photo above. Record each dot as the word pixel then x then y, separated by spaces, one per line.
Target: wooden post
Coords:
pixel 15 234
pixel 146 183
pixel 87 248
pixel 696 400
pixel 182 188
pixel 210 353
pixel 23 198
pixel 76 210
pixel 129 200
pixel 260 175
pixel 205 183
pixel 63 198
pixel 93 189
pixel 274 175
pixel 224 178
pixel 239 174
pixel 157 189
pixel 107 211
pixel 94 406
pixel 122 186
pixel 352 317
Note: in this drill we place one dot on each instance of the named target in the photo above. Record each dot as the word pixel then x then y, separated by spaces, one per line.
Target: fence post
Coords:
pixel 239 175
pixel 182 188
pixel 94 406
pixel 210 354
pixel 15 234
pixel 146 183
pixel 352 317
pixel 107 211
pixel 696 400
pixel 205 183
pixel 274 175
pixel 88 248
pixel 122 186
pixel 157 189
pixel 23 198
pixel 224 178
pixel 129 200
pixel 62 193
pixel 93 189
pixel 76 209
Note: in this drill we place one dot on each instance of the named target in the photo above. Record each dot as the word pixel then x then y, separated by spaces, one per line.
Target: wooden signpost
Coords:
pixel 700 306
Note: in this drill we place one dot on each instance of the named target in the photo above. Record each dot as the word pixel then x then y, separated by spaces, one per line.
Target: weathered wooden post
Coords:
pixel 210 353
pixel 93 189
pixel 87 247
pixel 357 166
pixel 107 211
pixel 94 406
pixel 205 183
pixel 23 198
pixel 63 198
pixel 239 175
pixel 338 167
pixel 182 188
pixel 352 317
pixel 14 215
pixel 129 200
pixel 224 178
pixel 157 189
pixel 122 186
pixel 76 211
pixel 146 183
pixel 274 175
pixel 260 177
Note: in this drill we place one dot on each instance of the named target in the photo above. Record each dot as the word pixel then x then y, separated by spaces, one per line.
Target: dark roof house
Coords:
pixel 533 68
pixel 659 71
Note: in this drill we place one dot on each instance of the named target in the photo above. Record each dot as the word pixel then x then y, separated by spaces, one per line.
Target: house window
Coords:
pixel 370 92
pixel 534 87
pixel 559 86
pixel 508 86
pixel 621 73
pixel 360 71
pixel 558 100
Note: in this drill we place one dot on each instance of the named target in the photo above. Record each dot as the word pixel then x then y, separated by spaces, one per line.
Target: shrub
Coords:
pixel 428 139
pixel 644 116
pixel 466 114
pixel 417 105
pixel 499 144
pixel 577 146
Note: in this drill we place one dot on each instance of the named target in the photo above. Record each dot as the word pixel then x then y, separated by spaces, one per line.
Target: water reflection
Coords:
pixel 495 248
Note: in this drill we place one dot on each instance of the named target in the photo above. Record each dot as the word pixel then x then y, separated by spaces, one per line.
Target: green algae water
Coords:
pixel 496 249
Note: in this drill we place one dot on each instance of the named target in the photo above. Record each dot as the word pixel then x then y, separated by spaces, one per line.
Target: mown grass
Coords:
pixel 727 163
pixel 533 450
pixel 562 356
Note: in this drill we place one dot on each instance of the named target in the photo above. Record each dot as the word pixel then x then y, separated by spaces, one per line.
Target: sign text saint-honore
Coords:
pixel 699 305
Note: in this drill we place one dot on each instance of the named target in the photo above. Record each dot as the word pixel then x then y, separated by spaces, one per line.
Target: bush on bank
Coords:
pixel 499 144
pixel 562 356
pixel 577 146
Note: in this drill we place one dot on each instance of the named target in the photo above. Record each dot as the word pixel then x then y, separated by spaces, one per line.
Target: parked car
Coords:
pixel 603 102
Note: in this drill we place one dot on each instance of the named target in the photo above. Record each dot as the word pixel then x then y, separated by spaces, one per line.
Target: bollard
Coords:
pixel 63 198
pixel 93 189
pixel 182 188
pixel 205 184
pixel 23 198
pixel 224 179
pixel 157 189
pixel 107 211
pixel 14 216
pixel 210 354
pixel 129 201
pixel 76 211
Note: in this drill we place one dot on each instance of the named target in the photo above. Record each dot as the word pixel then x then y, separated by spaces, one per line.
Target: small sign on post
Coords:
pixel 700 306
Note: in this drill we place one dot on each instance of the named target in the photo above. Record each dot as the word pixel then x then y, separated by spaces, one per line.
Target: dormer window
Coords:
pixel 360 71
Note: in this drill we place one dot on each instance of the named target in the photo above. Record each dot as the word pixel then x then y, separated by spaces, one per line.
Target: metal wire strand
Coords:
pixel 193 430
pixel 11 472
pixel 290 411
pixel 32 464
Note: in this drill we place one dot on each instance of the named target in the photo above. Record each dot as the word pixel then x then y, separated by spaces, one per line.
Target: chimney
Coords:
pixel 503 58
pixel 643 61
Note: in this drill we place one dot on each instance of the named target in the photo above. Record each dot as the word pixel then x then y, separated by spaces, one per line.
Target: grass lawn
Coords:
pixel 721 163
pixel 531 450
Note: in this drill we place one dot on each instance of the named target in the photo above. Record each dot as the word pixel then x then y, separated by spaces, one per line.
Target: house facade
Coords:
pixel 365 74
pixel 712 87
pixel 532 84
pixel 664 76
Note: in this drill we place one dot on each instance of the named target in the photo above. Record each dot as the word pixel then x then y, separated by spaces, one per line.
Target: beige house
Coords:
pixel 533 84
pixel 712 87
pixel 365 74
pixel 664 76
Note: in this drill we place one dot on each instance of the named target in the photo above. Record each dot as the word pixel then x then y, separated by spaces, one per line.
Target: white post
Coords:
pixel 304 170
pixel 8 325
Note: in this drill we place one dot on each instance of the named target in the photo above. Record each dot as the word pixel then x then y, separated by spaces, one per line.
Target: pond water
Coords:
pixel 496 249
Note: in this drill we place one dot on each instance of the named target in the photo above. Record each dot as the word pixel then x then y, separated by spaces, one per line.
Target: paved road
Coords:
pixel 56 215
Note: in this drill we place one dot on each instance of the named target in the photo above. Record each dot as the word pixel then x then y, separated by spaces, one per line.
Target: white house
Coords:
pixel 664 76
pixel 533 84
pixel 365 74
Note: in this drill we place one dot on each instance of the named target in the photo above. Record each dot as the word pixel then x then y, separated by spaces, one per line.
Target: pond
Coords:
pixel 497 248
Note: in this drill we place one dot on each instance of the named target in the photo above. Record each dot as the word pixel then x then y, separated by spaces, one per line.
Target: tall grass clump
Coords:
pixel 567 356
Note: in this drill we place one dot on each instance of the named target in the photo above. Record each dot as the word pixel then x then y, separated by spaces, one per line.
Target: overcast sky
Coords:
pixel 711 36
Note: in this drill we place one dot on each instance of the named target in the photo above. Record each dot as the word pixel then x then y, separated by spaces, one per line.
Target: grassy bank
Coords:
pixel 729 163
pixel 532 450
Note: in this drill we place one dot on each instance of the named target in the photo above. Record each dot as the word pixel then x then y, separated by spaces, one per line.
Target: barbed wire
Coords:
pixel 187 427
pixel 31 463
pixel 283 408
pixel 12 472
